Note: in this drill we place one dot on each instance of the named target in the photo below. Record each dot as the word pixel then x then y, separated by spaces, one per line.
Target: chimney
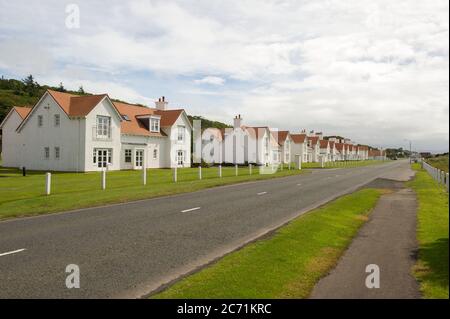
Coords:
pixel 161 104
pixel 237 122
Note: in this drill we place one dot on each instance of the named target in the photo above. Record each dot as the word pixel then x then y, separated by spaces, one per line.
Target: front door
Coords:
pixel 139 158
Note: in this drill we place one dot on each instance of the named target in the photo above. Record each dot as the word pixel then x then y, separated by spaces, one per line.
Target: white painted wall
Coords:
pixel 175 145
pixel 68 137
pixel 299 149
pixel 11 141
pixel 104 108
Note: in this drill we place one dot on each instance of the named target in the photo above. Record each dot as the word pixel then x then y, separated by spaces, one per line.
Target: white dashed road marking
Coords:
pixel 190 209
pixel 12 252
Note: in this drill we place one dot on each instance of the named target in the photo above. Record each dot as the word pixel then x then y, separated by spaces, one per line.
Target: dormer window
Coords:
pixel 154 124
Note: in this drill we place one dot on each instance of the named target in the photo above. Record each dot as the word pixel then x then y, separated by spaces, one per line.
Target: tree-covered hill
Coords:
pixel 27 92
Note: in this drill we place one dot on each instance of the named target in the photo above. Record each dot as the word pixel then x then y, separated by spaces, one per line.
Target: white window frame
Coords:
pixel 180 158
pixel 57 119
pixel 40 119
pixel 103 126
pixel 47 152
pixel 57 152
pixel 139 159
pixel 155 124
pixel 108 156
pixel 128 156
pixel 181 132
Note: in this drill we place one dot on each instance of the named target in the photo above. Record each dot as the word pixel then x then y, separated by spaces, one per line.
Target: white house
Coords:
pixel 285 141
pixel 325 151
pixel 313 147
pixel 66 132
pixel 332 151
pixel 299 147
pixel 212 145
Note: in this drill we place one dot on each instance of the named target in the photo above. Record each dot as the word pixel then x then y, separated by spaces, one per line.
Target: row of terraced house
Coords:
pixel 262 145
pixel 67 132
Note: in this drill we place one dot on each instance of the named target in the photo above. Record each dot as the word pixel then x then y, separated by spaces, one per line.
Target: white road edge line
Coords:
pixel 262 193
pixel 190 209
pixel 12 252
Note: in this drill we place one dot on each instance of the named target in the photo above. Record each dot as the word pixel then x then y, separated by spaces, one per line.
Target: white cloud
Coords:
pixel 374 70
pixel 213 80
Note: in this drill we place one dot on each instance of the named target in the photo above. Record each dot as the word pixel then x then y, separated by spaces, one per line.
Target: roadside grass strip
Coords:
pixel 431 269
pixel 25 196
pixel 440 162
pixel 288 263
pixel 342 164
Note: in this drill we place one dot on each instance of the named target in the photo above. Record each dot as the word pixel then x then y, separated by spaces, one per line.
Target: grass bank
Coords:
pixel 289 263
pixel 432 267
pixel 440 162
pixel 25 196
pixel 342 164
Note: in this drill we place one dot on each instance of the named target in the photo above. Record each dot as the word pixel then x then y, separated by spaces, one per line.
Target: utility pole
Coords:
pixel 410 150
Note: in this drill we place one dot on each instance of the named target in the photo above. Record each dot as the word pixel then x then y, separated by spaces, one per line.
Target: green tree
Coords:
pixel 31 85
pixel 61 87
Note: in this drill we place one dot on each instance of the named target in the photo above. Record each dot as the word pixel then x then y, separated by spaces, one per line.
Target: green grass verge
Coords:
pixel 431 269
pixel 24 196
pixel 342 164
pixel 440 162
pixel 289 263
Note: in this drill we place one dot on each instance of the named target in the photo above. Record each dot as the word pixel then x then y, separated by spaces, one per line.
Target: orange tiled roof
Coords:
pixel 313 139
pixel 77 105
pixel 323 143
pixel 282 135
pixel 22 111
pixel 339 146
pixel 298 138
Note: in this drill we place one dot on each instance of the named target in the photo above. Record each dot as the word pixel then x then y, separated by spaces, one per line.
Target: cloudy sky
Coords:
pixel 375 71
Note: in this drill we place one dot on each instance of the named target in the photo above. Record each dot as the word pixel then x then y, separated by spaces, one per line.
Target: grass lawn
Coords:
pixel 432 267
pixel 440 162
pixel 342 164
pixel 25 196
pixel 287 264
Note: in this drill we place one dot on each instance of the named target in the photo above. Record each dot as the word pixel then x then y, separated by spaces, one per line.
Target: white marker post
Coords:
pixel 175 173
pixel 48 183
pixel 103 179
pixel 199 172
pixel 220 171
pixel 144 175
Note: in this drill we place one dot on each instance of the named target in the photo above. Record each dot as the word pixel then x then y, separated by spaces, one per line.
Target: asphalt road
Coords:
pixel 128 250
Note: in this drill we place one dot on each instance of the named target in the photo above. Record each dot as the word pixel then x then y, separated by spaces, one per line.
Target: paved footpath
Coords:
pixel 388 240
